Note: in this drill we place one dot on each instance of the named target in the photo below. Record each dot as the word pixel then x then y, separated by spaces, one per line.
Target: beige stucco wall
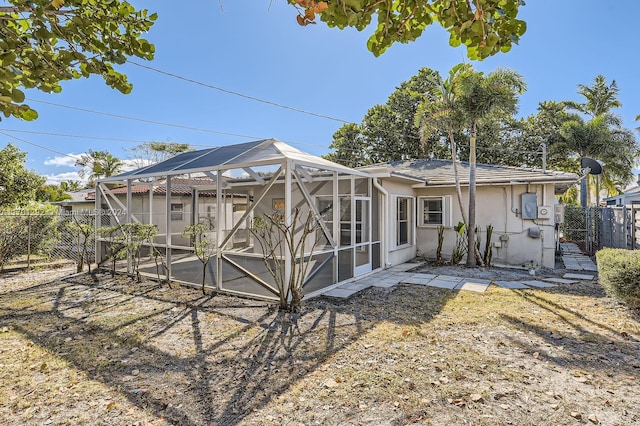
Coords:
pixel 499 206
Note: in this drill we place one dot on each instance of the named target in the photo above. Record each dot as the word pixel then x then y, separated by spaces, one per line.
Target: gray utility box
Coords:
pixel 529 205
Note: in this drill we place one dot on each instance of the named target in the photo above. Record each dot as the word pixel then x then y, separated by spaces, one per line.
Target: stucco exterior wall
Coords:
pixel 501 207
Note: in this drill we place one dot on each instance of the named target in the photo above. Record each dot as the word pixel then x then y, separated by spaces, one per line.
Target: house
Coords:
pixel 517 202
pixel 628 197
pixel 368 218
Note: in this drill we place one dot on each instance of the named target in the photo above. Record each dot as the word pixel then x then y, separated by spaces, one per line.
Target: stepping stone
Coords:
pixel 416 280
pixel 386 283
pixel 340 293
pixel 448 278
pixel 560 280
pixel 479 286
pixel 424 276
pixel 357 285
pixel 442 284
pixel 404 267
pixel 578 276
pixel 536 283
pixel 510 284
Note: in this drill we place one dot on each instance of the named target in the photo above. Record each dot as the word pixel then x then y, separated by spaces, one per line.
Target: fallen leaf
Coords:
pixel 475 397
pixel 405 332
pixel 593 419
pixel 536 355
pixel 110 405
pixel 576 415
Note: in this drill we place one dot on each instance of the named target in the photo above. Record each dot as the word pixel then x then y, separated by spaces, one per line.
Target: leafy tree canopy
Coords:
pixel 44 42
pixel 52 193
pixel 97 165
pixel 155 152
pixel 18 185
pixel 485 27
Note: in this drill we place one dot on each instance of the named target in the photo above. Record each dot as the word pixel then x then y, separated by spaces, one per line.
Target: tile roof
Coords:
pixel 440 173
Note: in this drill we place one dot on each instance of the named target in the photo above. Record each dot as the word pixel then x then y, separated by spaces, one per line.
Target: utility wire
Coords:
pixel 142 120
pixel 231 92
pixel 36 145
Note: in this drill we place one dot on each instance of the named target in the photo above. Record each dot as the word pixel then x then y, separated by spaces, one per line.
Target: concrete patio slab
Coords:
pixel 514 285
pixel 424 276
pixel 448 278
pixel 404 267
pixel 536 283
pixel 578 276
pixel 416 280
pixel 357 285
pixel 560 280
pixel 340 293
pixel 442 284
pixel 473 286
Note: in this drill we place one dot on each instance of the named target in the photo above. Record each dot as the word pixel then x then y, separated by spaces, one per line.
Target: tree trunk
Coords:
pixel 204 274
pixel 471 228
pixel 456 176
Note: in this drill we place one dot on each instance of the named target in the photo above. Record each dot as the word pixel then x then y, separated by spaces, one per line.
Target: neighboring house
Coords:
pixel 517 202
pixel 628 197
pixel 81 201
pixel 368 218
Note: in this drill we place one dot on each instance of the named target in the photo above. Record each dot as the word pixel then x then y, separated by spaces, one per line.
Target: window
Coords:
pixel 434 211
pixel 176 211
pixel 403 220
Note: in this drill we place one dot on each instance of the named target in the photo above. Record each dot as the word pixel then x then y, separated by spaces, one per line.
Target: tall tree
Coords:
pixel 18 185
pixel 465 100
pixel 485 27
pixel 599 98
pixel 155 152
pixel 98 164
pixel 45 42
pixel 388 130
pixel 350 147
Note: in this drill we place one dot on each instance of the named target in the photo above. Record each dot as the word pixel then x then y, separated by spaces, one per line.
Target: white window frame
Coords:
pixel 409 220
pixel 177 212
pixel 447 211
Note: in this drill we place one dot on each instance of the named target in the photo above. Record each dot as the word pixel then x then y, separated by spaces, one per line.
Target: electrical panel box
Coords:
pixel 545 212
pixel 558 210
pixel 529 205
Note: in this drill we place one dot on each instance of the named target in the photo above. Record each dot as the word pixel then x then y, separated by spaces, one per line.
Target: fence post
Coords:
pixel 28 240
pixel 633 227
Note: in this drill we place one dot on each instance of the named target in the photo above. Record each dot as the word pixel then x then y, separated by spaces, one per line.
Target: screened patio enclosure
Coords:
pixel 226 188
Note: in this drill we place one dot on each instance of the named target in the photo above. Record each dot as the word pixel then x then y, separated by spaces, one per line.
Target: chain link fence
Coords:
pixel 593 228
pixel 46 236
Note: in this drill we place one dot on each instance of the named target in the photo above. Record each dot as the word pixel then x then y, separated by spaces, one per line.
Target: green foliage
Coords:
pixel 18 185
pixel 125 241
pixel 203 247
pixel 84 235
pixel 28 231
pixel 155 152
pixel 460 248
pixel 485 27
pixel 100 164
pixel 619 274
pixel 42 45
pixel 51 193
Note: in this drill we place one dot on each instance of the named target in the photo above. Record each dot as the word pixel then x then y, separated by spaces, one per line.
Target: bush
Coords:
pixel 619 272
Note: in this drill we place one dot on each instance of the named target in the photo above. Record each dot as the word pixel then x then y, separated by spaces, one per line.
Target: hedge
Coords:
pixel 619 274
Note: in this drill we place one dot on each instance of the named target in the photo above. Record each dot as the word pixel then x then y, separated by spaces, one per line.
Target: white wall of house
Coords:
pixel 401 242
pixel 500 206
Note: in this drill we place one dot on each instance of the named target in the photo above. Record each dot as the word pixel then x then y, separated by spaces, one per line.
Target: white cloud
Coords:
pixel 68 160
pixel 62 177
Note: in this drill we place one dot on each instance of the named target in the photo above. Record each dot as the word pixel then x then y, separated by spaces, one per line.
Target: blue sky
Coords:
pixel 259 50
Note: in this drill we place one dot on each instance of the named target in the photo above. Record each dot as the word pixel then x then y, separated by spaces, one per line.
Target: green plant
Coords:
pixel 619 274
pixel 440 243
pixel 488 253
pixel 460 248
pixel 84 232
pixel 203 247
pixel 125 241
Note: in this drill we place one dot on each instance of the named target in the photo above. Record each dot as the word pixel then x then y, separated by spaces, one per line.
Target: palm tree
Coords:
pixel 462 102
pixel 600 98
pixel 480 97
pixel 101 164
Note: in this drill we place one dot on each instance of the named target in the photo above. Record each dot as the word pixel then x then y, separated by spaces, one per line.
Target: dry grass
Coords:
pixel 103 351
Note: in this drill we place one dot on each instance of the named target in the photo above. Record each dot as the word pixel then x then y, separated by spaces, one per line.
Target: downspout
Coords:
pixel 385 221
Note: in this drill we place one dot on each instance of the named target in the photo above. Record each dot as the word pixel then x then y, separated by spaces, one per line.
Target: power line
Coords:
pixel 67 135
pixel 36 145
pixel 142 120
pixel 242 95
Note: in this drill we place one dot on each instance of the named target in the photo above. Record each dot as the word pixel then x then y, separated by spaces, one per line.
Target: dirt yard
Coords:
pixel 97 351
